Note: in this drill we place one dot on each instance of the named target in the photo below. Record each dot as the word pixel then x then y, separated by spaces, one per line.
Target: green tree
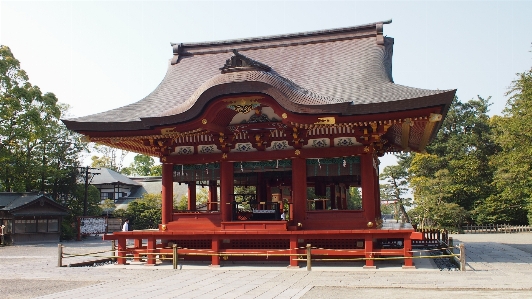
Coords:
pixel 108 206
pixel 354 200
pixel 74 202
pixel 144 213
pixel 432 198
pixel 464 146
pixel 456 172
pixel 513 178
pixel 108 157
pixel 202 197
pixel 396 187
pixel 36 151
pixel 143 165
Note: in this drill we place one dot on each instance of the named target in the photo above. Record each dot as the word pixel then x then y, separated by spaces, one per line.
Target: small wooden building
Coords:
pixel 291 115
pixel 30 217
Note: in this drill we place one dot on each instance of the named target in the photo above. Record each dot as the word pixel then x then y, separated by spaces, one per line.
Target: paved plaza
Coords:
pixel 498 266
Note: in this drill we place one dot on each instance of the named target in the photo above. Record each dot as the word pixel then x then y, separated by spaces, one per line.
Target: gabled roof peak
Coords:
pixel 240 62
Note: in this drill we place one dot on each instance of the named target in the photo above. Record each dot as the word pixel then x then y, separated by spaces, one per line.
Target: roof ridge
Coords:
pixel 281 40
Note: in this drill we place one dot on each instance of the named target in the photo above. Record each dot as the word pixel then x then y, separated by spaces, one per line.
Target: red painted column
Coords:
pixel 343 196
pixel 191 196
pixel 368 245
pixel 377 195
pixel 150 259
pixel 299 189
pixel 226 189
pixel 138 245
pixel 293 250
pixel 368 186
pixel 408 251
pixel 167 193
pixel 332 192
pixel 121 252
pixel 215 247
pixel 213 196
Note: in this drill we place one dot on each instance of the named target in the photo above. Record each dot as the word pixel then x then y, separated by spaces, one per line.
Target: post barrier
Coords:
pixel 462 257
pixel 174 256
pixel 309 260
pixel 59 255
pixel 113 249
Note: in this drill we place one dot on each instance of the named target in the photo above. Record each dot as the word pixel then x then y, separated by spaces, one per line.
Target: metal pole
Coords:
pixel 462 257
pixel 309 260
pixel 174 256
pixel 59 255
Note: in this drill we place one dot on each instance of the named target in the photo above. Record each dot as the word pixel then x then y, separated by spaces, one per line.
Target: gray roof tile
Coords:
pixel 337 71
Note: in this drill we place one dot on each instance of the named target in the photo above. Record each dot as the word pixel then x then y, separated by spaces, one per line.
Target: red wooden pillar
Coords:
pixel 262 192
pixel 338 195
pixel 213 196
pixel 368 248
pixel 215 247
pixel 333 197
pixel 368 186
pixel 293 250
pixel 377 194
pixel 226 189
pixel 299 189
pixel 121 252
pixel 343 196
pixel 138 245
pixel 150 259
pixel 408 252
pixel 191 196
pixel 167 193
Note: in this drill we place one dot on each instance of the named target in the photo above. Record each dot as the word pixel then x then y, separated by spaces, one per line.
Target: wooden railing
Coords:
pixel 495 228
pixel 432 237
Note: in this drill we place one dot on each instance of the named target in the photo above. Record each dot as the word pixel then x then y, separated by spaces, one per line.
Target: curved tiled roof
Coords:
pixel 347 71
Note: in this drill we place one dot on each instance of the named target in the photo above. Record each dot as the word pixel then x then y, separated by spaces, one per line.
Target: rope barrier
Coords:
pixel 133 253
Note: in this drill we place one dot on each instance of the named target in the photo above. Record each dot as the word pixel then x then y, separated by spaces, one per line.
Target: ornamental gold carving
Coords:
pixel 325 121
pixel 168 131
pixel 244 105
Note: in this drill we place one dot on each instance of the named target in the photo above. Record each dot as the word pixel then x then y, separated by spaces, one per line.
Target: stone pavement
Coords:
pixel 499 266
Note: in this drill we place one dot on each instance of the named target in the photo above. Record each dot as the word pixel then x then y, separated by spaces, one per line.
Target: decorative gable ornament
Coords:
pixel 239 63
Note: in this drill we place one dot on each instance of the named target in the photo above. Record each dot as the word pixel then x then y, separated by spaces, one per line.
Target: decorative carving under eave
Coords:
pixel 298 137
pixel 260 139
pixel 258 117
pixel 381 147
pixel 225 142
pixel 244 105
pixel 326 121
pixel 239 62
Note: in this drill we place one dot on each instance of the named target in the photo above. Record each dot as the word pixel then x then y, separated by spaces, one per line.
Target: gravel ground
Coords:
pixel 499 266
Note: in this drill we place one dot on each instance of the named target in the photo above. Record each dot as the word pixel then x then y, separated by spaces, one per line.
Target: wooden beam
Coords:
pixel 405 134
pixel 307 153
pixel 428 130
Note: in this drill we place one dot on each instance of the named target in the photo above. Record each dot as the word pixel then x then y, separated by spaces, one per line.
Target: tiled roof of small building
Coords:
pixel 346 71
pixel 108 176
pixel 10 201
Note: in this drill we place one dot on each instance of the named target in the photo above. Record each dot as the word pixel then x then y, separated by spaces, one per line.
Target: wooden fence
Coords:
pixel 432 238
pixel 495 228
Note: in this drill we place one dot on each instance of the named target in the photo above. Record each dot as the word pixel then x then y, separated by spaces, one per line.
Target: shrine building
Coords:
pixel 284 131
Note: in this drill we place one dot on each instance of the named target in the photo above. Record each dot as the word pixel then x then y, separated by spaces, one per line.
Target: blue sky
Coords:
pixel 100 55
